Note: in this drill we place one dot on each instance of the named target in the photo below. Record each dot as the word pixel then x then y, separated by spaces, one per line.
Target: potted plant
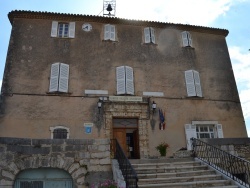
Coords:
pixel 162 148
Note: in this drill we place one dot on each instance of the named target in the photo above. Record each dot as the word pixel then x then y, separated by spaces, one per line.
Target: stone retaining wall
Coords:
pixel 236 146
pixel 81 158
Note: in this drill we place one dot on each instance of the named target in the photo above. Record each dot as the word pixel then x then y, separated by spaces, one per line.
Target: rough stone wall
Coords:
pixel 239 147
pixel 81 158
pixel 239 150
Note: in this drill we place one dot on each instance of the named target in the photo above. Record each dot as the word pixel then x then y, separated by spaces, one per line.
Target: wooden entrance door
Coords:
pixel 125 130
pixel 120 135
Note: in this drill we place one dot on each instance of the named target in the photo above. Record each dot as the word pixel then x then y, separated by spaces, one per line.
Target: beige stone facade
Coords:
pixel 29 109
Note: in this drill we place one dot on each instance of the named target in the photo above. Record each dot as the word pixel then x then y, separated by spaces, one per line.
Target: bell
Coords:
pixel 109 8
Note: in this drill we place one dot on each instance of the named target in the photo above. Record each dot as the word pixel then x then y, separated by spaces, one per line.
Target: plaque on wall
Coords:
pixel 125 98
pixel 88 128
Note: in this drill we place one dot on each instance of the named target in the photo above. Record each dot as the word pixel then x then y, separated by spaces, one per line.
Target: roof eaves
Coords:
pixel 111 20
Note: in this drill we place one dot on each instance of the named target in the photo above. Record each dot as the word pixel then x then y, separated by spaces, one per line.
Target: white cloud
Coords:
pixel 194 12
pixel 241 67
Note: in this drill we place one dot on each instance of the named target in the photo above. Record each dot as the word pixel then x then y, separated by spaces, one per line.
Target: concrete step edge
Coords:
pixel 226 186
pixel 180 173
pixel 184 183
pixel 178 178
pixel 157 164
pixel 157 160
pixel 181 167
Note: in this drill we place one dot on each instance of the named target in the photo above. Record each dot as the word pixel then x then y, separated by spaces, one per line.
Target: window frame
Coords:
pixel 186 39
pixel 149 35
pixel 52 129
pixel 193 83
pixel 200 132
pixel 109 32
pixel 59 78
pixel 55 29
pixel 190 130
pixel 125 80
pixel 63 26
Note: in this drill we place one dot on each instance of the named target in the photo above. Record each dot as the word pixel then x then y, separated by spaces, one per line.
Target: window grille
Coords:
pixel 60 134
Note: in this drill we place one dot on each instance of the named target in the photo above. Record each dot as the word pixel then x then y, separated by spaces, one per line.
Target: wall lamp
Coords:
pixel 99 105
pixel 153 107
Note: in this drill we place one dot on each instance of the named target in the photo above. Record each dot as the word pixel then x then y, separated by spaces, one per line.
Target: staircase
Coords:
pixel 176 173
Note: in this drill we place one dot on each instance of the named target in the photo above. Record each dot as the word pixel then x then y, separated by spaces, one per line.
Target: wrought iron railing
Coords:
pixel 128 171
pixel 232 166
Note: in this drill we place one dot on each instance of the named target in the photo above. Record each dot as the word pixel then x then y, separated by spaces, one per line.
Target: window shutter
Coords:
pixel 197 83
pixel 184 38
pixel 72 29
pixel 129 80
pixel 64 77
pixel 190 83
pixel 54 29
pixel 190 131
pixel 120 80
pixel 189 39
pixel 54 74
pixel 152 35
pixel 112 32
pixel 219 131
pixel 107 32
pixel 147 35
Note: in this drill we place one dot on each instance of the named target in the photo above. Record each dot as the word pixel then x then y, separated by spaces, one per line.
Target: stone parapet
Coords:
pixel 239 147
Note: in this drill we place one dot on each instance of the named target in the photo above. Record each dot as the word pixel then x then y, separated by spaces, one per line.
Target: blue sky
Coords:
pixel 233 15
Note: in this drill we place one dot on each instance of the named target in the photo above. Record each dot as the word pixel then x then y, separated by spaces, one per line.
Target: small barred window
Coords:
pixel 60 134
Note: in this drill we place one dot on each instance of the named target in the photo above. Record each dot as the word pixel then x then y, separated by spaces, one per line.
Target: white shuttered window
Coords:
pixel 59 77
pixel 190 131
pixel 193 83
pixel 219 131
pixel 109 32
pixel 186 39
pixel 54 29
pixel 124 80
pixel 120 80
pixel 149 34
pixel 202 131
pixel 63 30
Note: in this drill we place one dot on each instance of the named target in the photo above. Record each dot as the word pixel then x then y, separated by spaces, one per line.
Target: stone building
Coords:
pixel 88 79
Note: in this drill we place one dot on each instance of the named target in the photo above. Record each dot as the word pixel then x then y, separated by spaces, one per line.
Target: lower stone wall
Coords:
pixel 81 158
pixel 236 146
pixel 182 154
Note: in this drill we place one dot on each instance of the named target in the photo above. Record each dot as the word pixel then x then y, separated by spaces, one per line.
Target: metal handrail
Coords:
pixel 232 166
pixel 127 169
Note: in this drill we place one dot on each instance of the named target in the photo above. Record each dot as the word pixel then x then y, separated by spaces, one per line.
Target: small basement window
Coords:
pixel 59 132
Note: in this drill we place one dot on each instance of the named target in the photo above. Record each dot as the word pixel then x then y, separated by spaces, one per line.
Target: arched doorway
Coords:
pixel 43 178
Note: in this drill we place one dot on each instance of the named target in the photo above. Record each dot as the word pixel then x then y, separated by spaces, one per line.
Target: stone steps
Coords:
pixel 180 179
pixel 177 173
pixel 194 184
pixel 146 170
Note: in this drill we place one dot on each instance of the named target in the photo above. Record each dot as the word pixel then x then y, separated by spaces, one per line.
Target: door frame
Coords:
pixel 136 147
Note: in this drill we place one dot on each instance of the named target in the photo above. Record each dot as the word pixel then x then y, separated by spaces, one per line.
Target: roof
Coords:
pixel 112 20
